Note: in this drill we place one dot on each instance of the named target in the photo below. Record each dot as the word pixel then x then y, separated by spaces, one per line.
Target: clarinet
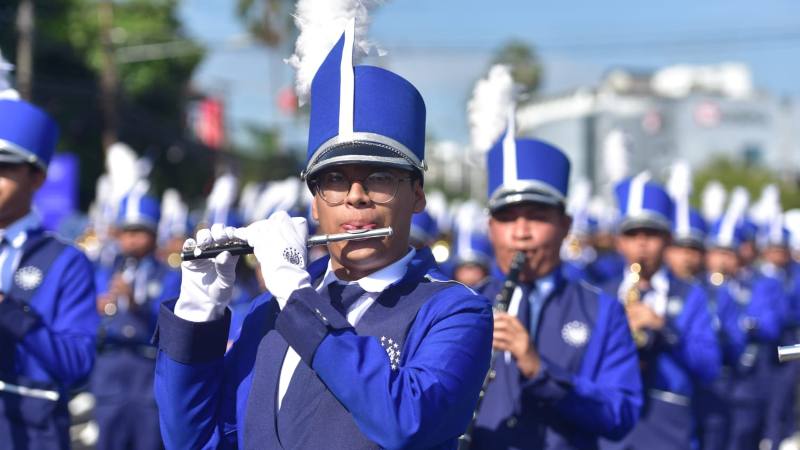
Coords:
pixel 501 304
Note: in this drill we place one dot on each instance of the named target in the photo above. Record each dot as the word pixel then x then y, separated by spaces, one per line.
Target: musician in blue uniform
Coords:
pixel 48 321
pixel 777 264
pixel 472 257
pixel 367 348
pixel 735 404
pixel 668 317
pixel 567 372
pixel 130 292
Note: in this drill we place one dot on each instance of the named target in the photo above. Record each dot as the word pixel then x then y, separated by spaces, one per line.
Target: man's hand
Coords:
pixel 511 336
pixel 207 284
pixel 641 316
pixel 119 288
pixel 279 244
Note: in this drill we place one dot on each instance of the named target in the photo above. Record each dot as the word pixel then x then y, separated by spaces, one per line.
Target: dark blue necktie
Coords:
pixel 343 296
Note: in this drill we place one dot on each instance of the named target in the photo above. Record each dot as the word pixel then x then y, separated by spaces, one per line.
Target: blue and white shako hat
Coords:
pixel 773 233
pixel 729 231
pixel 27 134
pixel 472 247
pixel 526 170
pixel 139 210
pixel 424 229
pixel 689 228
pixel 643 204
pixel 363 115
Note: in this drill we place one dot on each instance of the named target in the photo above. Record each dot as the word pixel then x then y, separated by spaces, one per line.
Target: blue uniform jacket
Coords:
pixel 761 305
pixel 53 332
pixel 589 384
pixel 424 401
pixel 726 315
pixel 686 350
pixel 48 325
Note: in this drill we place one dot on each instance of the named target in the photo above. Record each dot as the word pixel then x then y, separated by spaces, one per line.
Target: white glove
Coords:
pixel 207 284
pixel 279 244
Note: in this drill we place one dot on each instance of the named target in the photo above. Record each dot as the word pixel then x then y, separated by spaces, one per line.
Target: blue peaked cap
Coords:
pixel 473 248
pixel 27 134
pixel 726 233
pixel 691 232
pixel 423 227
pixel 526 170
pixel 385 126
pixel 644 204
pixel 139 211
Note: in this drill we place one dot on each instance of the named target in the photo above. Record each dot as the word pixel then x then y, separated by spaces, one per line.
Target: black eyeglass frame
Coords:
pixel 315 186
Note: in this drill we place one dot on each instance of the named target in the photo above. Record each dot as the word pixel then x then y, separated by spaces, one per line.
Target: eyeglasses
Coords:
pixel 381 187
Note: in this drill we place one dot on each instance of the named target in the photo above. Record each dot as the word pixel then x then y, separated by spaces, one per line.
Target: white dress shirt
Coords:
pixel 373 284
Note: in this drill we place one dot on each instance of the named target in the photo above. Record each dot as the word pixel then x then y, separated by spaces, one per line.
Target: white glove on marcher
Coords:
pixel 279 244
pixel 207 284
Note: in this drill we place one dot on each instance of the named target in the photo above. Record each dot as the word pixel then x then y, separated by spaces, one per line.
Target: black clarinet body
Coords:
pixel 502 301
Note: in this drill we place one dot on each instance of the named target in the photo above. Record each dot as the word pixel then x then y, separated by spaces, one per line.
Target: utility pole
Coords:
pixel 108 74
pixel 24 67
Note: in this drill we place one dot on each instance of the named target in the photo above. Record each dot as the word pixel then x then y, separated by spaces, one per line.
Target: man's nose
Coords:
pixel 358 194
pixel 521 229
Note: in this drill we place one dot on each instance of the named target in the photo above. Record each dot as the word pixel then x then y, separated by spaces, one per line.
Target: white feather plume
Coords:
pixel 488 109
pixel 122 166
pixel 616 148
pixel 223 193
pixel 321 23
pixel 713 200
pixel 767 205
pixel 679 184
pixel 174 214
pixel 580 196
pixel 7 92
pixel 740 198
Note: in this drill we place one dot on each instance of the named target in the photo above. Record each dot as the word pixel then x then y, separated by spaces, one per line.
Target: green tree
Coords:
pixel 526 69
pixel 732 173
pixel 268 21
pixel 152 90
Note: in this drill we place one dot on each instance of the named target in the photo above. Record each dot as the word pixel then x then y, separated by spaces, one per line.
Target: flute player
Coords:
pixel 368 348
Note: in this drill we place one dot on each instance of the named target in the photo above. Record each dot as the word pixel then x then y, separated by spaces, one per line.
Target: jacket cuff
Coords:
pixel 550 385
pixel 190 342
pixel 17 319
pixel 306 320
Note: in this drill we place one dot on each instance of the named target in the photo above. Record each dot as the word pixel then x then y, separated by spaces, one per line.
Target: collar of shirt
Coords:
pixel 544 287
pixel 377 281
pixel 17 232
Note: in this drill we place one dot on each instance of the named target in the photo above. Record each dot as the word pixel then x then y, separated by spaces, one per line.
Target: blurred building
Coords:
pixel 689 112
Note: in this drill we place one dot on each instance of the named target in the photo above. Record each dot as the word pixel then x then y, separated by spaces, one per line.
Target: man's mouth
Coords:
pixel 356 226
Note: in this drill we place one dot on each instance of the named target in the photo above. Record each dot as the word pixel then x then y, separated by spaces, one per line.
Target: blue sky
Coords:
pixel 444 46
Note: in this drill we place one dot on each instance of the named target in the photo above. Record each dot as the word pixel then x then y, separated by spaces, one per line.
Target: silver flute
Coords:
pixel 788 353
pixel 238 247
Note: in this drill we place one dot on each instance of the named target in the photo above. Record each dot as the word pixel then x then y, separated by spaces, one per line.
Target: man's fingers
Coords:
pixel 218 233
pixel 204 238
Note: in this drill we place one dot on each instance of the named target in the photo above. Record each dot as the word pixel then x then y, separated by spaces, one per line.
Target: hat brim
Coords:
pixel 513 198
pixel 649 222
pixel 362 153
pixel 15 156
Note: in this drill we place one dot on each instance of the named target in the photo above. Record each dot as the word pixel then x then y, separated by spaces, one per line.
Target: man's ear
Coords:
pixel 566 224
pixel 314 212
pixel 38 176
pixel 419 197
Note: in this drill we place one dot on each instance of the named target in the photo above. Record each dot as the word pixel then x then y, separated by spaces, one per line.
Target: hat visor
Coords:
pixel 514 198
pixel 361 153
pixel 646 222
pixel 7 157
